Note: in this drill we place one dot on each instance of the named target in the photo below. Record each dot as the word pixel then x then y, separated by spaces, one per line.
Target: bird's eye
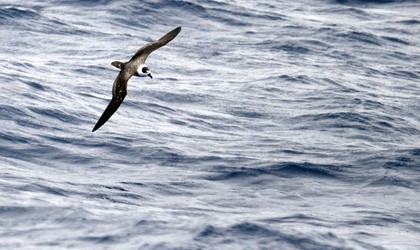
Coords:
pixel 144 70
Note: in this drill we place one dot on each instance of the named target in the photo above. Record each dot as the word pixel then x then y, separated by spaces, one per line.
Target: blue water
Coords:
pixel 267 125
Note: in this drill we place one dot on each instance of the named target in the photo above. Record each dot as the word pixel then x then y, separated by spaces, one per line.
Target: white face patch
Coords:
pixel 143 70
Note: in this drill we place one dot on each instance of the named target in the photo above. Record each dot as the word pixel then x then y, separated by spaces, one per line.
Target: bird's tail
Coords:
pixel 117 64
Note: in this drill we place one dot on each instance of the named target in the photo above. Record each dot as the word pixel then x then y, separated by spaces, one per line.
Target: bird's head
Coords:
pixel 144 71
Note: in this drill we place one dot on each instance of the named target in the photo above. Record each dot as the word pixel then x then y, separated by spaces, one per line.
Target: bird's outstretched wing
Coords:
pixel 119 91
pixel 142 54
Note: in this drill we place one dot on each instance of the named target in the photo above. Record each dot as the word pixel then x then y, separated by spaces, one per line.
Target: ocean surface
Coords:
pixel 267 125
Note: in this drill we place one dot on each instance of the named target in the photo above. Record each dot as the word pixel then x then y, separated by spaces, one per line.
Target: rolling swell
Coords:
pixel 268 124
pixel 259 236
pixel 284 170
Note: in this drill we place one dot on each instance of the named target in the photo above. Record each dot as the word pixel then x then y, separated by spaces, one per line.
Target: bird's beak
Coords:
pixel 150 75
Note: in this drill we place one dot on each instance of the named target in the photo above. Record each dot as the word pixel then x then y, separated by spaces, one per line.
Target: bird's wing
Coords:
pixel 142 54
pixel 119 91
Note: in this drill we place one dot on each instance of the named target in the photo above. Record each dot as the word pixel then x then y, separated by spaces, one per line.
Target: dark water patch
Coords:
pixel 293 152
pixel 31 122
pixel 415 152
pixel 22 66
pixel 373 72
pixel 6 211
pixel 31 20
pixel 295 79
pixel 351 11
pixel 115 188
pixel 375 218
pixel 395 40
pixel 263 237
pixel 10 112
pixel 391 181
pixel 150 224
pixel 37 187
pixel 235 173
pixel 178 122
pixel 362 2
pixel 404 162
pixel 357 121
pixel 395 31
pixel 405 74
pixel 106 239
pixel 243 112
pixel 56 114
pixel 291 48
pixel 124 198
pixel 115 194
pixel 253 229
pixel 185 184
pixel 11 137
pixel 331 30
pixel 362 37
pixel 84 3
pixel 312 43
pixel 210 231
pixel 35 85
pixel 283 170
pixel 410 22
pixel 306 169
pixel 134 183
pixel 26 153
pixel 339 119
pixel 130 198
pixel 368 104
pixel 10 13
pixel 339 54
pixel 46 155
pixel 167 157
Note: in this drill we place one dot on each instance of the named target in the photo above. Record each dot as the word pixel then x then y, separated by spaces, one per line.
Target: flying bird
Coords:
pixel 135 67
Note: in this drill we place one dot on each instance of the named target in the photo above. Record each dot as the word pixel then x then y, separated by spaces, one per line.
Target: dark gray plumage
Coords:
pixel 136 66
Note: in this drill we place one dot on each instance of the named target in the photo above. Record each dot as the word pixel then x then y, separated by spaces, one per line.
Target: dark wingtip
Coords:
pixel 109 111
pixel 101 122
pixel 96 127
pixel 177 30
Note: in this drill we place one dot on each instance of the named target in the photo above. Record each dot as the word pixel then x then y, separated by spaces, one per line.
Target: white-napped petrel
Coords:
pixel 137 67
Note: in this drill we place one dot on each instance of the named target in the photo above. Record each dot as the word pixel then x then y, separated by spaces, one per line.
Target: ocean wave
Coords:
pixel 267 124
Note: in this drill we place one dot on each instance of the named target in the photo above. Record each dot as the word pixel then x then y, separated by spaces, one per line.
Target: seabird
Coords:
pixel 135 67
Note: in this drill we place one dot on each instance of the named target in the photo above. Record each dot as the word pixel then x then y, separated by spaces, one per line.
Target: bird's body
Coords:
pixel 135 67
